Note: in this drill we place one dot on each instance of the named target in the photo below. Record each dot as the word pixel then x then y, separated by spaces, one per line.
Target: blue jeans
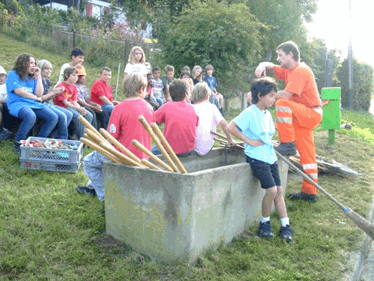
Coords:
pixel 64 119
pixel 29 115
pixel 159 101
pixel 105 114
pixel 78 126
pixel 156 151
pixel 93 168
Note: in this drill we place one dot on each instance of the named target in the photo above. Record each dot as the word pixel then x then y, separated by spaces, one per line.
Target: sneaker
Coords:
pixel 86 190
pixel 285 233
pixel 5 134
pixel 286 148
pixel 264 230
pixel 17 147
pixel 303 196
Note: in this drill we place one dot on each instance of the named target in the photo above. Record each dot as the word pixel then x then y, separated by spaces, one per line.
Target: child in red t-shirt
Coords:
pixel 101 93
pixel 125 127
pixel 180 120
pixel 69 100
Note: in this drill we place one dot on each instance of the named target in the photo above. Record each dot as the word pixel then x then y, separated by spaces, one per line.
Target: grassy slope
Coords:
pixel 49 232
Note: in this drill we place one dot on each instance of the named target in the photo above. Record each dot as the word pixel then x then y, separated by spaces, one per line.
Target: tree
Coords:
pixel 214 32
pixel 362 86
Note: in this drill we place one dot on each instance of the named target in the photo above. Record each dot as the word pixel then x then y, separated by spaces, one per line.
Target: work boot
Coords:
pixel 17 147
pixel 5 134
pixel 286 148
pixel 303 196
pixel 86 190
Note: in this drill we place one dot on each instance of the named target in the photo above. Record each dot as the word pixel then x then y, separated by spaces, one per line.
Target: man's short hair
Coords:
pixel 200 92
pixel 169 68
pixel 132 84
pixel 178 89
pixel 183 73
pixel 261 87
pixel 105 68
pixel 156 68
pixel 208 67
pixel 77 52
pixel 288 47
pixel 68 71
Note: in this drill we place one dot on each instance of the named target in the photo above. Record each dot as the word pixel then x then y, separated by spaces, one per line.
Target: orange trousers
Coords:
pixel 295 123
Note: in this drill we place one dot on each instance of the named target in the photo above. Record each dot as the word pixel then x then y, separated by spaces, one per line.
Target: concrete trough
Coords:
pixel 176 217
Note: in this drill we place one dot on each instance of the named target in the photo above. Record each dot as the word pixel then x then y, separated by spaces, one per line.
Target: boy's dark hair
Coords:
pixel 68 71
pixel 178 89
pixel 156 68
pixel 105 68
pixel 261 87
pixel 185 73
pixel 21 64
pixel 149 74
pixel 77 52
pixel 288 47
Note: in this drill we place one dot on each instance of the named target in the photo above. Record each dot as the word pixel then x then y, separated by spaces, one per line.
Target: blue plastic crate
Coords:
pixel 52 155
pixel 54 167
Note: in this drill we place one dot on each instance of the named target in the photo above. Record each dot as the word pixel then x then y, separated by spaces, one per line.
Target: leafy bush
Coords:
pixel 362 86
pixel 224 35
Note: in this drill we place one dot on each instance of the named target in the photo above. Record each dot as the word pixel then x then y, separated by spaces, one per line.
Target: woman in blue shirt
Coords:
pixel 25 89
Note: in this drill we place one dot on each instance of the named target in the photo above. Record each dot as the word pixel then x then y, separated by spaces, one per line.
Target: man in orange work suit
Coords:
pixel 298 111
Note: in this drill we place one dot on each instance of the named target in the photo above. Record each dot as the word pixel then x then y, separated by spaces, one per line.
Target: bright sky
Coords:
pixel 332 22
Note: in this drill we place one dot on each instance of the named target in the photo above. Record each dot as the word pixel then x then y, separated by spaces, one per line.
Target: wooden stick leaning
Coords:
pixel 151 155
pixel 239 145
pixel 150 165
pixel 158 132
pixel 108 147
pixel 112 140
pixel 148 128
pixel 89 126
pixel 361 222
pixel 100 150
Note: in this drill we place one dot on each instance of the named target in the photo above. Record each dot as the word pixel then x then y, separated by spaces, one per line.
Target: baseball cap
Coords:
pixel 2 70
pixel 82 71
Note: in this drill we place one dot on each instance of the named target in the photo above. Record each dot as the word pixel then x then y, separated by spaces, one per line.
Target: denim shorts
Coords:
pixel 268 174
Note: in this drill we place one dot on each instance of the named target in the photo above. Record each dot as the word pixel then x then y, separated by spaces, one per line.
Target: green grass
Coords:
pixel 49 232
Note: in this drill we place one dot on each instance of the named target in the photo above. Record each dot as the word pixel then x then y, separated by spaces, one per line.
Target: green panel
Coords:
pixel 331 93
pixel 331 115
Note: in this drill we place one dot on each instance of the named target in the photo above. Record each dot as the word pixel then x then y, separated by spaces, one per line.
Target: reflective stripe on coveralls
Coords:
pixel 299 130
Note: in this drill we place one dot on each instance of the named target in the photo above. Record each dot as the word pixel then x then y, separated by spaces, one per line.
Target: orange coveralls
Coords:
pixel 298 115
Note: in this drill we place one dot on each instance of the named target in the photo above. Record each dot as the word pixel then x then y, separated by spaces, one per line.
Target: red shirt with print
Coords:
pixel 70 94
pixel 125 126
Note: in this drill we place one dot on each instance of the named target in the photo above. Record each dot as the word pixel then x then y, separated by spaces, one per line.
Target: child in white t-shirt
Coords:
pixel 5 133
pixel 136 62
pixel 209 117
pixel 157 85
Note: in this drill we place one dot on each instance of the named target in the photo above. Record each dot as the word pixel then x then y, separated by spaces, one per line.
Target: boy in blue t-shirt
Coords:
pixel 216 98
pixel 255 127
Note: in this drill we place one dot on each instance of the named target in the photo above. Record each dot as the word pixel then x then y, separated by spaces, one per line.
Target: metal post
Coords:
pixel 350 94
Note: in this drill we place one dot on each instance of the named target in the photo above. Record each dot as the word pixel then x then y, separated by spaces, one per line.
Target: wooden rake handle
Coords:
pixel 158 143
pixel 112 140
pixel 90 127
pixel 100 150
pixel 158 132
pixel 151 155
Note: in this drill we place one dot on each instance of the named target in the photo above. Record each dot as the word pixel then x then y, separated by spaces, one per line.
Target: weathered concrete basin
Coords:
pixel 170 216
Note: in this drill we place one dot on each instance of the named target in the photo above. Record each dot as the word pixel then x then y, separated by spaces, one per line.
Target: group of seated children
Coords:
pixel 188 131
pixel 26 93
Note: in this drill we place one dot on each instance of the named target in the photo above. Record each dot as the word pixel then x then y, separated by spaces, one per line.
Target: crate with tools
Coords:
pixel 51 154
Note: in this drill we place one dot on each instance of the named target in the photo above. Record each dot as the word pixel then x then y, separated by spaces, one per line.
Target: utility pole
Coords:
pixel 350 79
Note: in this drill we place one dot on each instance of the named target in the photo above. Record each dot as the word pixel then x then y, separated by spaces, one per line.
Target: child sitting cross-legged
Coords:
pixel 69 99
pixel 180 120
pixel 255 127
pixel 125 127
pixel 209 117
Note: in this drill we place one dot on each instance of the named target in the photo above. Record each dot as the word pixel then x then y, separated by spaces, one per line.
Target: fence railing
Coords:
pixel 58 39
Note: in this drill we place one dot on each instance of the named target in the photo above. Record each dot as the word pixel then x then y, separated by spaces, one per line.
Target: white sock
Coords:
pixel 285 221
pixel 265 219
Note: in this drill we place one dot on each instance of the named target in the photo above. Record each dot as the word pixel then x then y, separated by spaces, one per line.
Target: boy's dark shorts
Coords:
pixel 268 174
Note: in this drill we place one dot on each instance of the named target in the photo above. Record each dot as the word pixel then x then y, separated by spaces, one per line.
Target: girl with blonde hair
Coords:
pixel 136 62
